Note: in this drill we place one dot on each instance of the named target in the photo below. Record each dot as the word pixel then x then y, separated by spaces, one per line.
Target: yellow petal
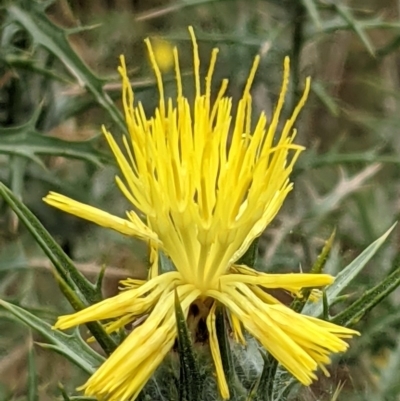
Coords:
pixel 216 354
pixel 237 329
pixel 104 219
pixel 300 343
pixel 123 375
pixel 135 301
pixel 292 282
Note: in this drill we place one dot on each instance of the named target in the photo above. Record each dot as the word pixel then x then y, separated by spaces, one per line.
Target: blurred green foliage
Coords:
pixel 58 84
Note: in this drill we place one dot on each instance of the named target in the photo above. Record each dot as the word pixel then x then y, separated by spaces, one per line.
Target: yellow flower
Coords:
pixel 207 182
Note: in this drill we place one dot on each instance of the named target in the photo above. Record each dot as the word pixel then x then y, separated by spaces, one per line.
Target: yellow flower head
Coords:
pixel 207 181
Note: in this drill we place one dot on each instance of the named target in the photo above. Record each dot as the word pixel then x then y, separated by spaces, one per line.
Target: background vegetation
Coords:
pixel 58 83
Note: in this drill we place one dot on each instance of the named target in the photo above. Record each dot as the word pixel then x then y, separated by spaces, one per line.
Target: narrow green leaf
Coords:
pixel 54 39
pixel 190 378
pixel 328 101
pixel 344 278
pixel 78 289
pixel 70 345
pixel 368 300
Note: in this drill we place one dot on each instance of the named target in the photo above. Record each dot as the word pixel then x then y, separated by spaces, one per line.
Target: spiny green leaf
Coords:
pixel 346 14
pixel 337 24
pixel 26 142
pixel 344 278
pixel 190 378
pixel 368 300
pixel 54 39
pixel 312 11
pixel 178 5
pixel 70 345
pixel 73 104
pixel 329 102
pixel 25 62
pixel 82 28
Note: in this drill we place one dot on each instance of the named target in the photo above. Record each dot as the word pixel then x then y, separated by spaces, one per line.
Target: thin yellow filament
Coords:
pixel 209 76
pixel 252 74
pixel 289 123
pixel 279 106
pixel 217 103
pixel 196 61
pixel 158 75
pixel 178 74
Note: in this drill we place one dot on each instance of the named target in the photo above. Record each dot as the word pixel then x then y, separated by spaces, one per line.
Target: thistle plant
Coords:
pixel 204 181
pixel 203 184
